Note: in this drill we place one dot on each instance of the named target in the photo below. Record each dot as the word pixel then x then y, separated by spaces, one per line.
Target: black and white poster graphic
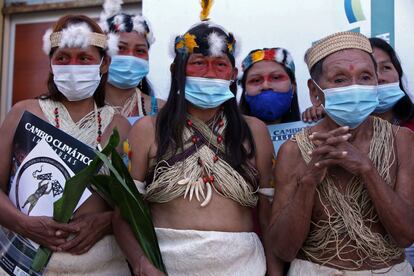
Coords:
pixel 43 159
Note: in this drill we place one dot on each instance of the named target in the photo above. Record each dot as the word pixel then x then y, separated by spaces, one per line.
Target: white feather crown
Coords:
pixel 77 35
pixel 112 20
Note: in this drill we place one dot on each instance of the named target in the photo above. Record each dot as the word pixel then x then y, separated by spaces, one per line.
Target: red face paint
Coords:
pixel 278 77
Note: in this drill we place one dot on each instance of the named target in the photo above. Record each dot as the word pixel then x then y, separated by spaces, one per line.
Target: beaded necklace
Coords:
pixel 98 120
pixel 207 178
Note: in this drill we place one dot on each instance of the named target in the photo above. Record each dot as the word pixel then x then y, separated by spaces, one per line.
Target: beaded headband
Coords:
pixel 95 39
pixel 279 55
pixel 334 43
pixel 77 35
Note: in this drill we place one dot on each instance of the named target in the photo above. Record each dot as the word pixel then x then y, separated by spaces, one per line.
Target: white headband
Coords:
pixel 77 35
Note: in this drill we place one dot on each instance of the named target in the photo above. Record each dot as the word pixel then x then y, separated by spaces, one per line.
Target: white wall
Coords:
pixel 404 40
pixel 293 24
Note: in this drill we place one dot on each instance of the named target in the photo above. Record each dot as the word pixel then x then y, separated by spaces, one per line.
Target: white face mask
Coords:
pixel 77 82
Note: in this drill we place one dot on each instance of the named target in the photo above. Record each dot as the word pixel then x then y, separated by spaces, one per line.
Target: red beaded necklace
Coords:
pixel 217 124
pixel 98 119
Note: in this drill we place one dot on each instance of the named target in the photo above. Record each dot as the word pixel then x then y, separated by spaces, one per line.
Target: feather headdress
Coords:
pixel 206 37
pixel 205 9
pixel 77 35
pixel 110 8
pixel 279 55
pixel 112 20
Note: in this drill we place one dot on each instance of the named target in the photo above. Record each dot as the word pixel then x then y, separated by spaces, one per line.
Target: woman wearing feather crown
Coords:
pixel 203 165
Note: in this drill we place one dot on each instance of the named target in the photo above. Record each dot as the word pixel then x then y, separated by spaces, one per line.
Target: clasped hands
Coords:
pixel 76 237
pixel 334 149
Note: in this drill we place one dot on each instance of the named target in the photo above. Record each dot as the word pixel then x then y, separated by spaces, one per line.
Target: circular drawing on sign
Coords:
pixel 45 175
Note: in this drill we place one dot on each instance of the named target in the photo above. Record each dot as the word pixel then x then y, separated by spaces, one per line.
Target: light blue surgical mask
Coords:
pixel 388 95
pixel 207 93
pixel 126 72
pixel 350 105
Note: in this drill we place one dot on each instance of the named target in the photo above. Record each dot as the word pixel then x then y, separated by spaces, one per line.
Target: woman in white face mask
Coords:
pixel 75 104
pixel 130 36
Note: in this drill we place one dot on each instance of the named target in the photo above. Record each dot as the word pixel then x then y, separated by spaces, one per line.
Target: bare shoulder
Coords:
pixel 143 129
pixel 142 141
pixel 26 105
pixel 16 112
pixel 257 127
pixel 404 139
pixel 260 134
pixel 403 134
pixel 289 162
pixel 121 124
pixel 147 123
pixel 288 152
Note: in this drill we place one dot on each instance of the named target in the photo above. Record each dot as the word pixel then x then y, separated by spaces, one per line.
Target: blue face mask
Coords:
pixel 388 95
pixel 350 105
pixel 269 105
pixel 126 72
pixel 207 93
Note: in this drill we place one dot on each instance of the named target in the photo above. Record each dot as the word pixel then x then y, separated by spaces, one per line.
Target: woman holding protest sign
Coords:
pixel 75 104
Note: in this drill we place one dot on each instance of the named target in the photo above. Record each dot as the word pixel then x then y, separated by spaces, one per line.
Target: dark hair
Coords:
pixel 403 110
pixel 145 87
pixel 291 116
pixel 171 119
pixel 127 22
pixel 53 93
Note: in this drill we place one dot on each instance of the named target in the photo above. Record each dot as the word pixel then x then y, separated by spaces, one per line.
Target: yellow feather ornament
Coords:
pixel 190 42
pixel 205 9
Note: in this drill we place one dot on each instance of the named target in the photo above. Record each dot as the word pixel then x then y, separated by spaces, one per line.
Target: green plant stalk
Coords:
pixel 133 208
pixel 74 188
pixel 152 249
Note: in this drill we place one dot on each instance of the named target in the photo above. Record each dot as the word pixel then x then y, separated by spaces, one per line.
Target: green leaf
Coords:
pixel 132 206
pixel 100 184
pixel 41 259
pixel 141 225
pixel 74 188
pixel 136 216
pixel 117 188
